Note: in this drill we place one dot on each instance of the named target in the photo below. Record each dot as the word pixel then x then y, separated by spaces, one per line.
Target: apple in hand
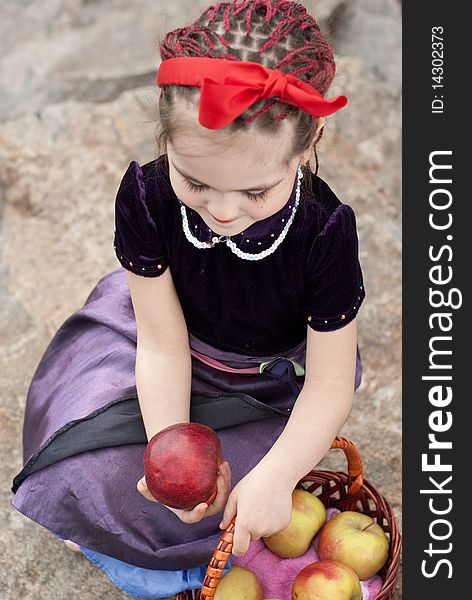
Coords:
pixel 239 584
pixel 326 580
pixel 181 465
pixel 308 515
pixel 355 540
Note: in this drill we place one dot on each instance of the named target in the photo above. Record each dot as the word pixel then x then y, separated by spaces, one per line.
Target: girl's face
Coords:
pixel 234 184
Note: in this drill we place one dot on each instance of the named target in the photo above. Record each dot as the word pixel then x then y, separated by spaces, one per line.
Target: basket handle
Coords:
pixel 354 463
pixel 225 544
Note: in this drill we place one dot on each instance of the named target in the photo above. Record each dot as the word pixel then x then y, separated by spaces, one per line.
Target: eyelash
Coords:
pixel 199 188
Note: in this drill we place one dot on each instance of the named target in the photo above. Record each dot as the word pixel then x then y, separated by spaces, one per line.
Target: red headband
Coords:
pixel 228 87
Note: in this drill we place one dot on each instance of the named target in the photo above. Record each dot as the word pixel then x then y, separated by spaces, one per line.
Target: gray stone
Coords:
pixel 371 31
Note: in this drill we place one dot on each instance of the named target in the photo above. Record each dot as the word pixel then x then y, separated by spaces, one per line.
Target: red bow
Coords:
pixel 228 87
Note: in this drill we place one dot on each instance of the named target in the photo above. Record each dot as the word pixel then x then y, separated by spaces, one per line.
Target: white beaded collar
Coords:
pixel 229 240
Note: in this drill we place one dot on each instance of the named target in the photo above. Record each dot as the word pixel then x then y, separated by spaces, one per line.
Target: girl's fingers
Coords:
pixel 200 510
pixel 220 496
pixel 203 509
pixel 191 516
pixel 194 515
pixel 225 471
pixel 223 483
pixel 186 516
pixel 223 489
pixel 143 489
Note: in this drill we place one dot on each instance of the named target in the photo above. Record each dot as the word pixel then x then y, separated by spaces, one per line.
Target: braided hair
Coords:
pixel 275 33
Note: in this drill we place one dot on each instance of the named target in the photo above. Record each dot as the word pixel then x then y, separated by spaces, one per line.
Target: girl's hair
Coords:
pixel 275 33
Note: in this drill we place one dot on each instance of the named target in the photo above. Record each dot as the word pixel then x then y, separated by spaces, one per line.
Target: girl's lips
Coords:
pixel 220 221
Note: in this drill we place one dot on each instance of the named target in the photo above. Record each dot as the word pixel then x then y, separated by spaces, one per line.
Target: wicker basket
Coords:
pixel 339 490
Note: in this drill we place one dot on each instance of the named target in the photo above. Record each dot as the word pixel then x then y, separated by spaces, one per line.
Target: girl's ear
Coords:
pixel 306 156
pixel 314 140
pixel 319 129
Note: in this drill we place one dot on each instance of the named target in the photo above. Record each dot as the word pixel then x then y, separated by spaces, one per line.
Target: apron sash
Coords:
pixel 283 367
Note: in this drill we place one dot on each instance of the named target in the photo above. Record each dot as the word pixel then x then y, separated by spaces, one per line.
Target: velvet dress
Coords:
pixel 247 318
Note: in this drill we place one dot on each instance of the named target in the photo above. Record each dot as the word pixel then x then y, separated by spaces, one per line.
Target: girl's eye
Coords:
pixel 256 197
pixel 199 188
pixel 193 187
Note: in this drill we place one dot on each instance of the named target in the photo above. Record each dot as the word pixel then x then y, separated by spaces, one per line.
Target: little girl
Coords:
pixel 235 307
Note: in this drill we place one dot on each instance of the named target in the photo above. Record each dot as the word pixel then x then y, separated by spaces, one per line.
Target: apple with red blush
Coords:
pixel 181 465
pixel 355 540
pixel 326 580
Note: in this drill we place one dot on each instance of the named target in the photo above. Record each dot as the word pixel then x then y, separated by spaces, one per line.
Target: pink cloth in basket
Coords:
pixel 276 574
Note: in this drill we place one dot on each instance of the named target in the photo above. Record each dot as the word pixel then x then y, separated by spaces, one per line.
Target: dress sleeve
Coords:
pixel 335 286
pixel 137 241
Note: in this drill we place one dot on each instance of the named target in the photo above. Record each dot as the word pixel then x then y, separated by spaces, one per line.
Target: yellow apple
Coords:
pixel 239 584
pixel 355 540
pixel 308 515
pixel 326 580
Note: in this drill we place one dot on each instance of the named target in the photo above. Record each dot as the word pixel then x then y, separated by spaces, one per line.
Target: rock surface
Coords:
pixel 77 81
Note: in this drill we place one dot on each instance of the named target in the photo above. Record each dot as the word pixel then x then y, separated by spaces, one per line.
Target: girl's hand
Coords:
pixel 203 509
pixel 262 505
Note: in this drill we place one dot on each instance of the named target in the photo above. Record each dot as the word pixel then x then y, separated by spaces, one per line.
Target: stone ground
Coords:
pixel 77 81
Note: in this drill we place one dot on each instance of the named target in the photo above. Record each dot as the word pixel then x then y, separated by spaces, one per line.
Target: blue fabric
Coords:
pixel 148 583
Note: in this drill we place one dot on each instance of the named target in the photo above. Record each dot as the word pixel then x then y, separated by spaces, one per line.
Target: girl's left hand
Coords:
pixel 262 504
pixel 203 509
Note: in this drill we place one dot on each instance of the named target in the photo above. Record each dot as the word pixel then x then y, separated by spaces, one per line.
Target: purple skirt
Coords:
pixel 83 435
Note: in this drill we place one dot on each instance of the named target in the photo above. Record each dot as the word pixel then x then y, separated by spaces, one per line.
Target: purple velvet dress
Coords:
pixel 83 437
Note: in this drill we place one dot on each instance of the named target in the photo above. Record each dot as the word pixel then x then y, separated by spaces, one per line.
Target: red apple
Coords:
pixel 181 465
pixel 356 540
pixel 326 580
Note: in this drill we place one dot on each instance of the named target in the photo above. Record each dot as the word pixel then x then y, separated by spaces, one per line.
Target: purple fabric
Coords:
pixel 252 307
pixel 91 498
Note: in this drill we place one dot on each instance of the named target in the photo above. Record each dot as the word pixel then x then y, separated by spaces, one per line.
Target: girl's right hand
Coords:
pixel 202 510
